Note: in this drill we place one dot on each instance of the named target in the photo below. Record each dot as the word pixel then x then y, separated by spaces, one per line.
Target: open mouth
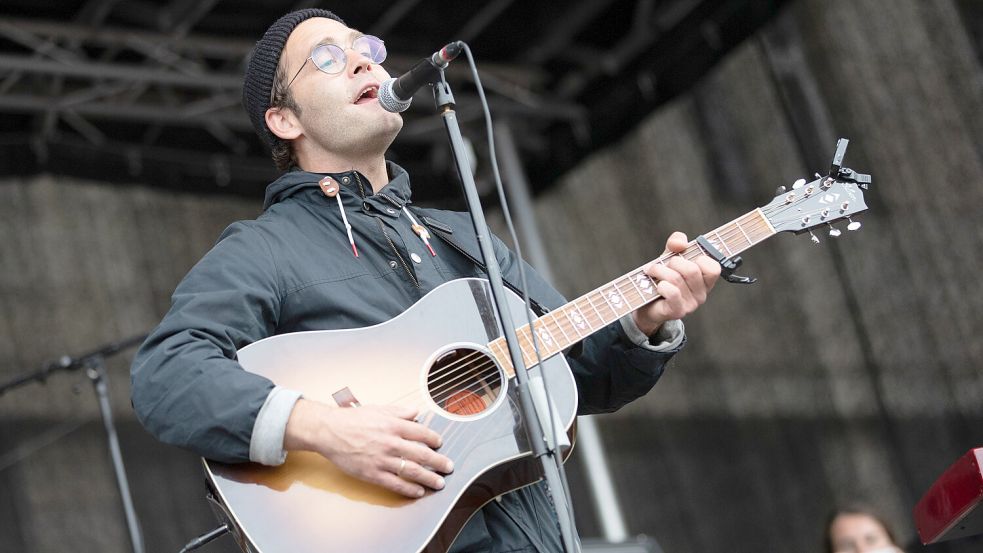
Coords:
pixel 368 94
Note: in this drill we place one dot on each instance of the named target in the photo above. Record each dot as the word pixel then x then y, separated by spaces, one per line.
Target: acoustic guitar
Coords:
pixel 457 370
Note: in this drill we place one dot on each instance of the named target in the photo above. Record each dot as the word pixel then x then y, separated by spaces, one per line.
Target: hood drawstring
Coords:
pixel 330 189
pixel 421 231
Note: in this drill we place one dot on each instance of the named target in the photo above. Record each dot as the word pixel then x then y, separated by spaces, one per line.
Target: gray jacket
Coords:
pixel 293 269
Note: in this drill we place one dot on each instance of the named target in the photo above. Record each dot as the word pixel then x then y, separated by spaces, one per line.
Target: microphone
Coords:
pixel 396 94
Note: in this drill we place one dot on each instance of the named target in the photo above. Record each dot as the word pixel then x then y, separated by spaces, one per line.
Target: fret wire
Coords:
pixel 576 327
pixel 746 237
pixel 643 274
pixel 724 244
pixel 626 281
pixel 756 221
pixel 631 279
pixel 527 355
pixel 505 347
pixel 498 346
pixel 503 351
pixel 752 226
pixel 624 299
pixel 557 324
pixel 602 319
pixel 726 237
pixel 583 316
pixel 753 220
pixel 604 296
pixel 729 230
pixel 545 349
pixel 628 301
pixel 618 308
pixel 560 326
pixel 599 317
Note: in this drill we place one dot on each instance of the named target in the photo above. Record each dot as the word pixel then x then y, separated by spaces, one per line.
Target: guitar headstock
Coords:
pixel 824 201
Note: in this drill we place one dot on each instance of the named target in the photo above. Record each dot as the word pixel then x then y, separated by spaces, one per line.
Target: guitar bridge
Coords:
pixel 345 398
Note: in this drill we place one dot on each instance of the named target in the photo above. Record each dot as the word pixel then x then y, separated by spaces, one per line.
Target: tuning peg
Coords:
pixel 834 232
pixel 798 184
pixel 815 239
pixel 780 190
pixel 854 225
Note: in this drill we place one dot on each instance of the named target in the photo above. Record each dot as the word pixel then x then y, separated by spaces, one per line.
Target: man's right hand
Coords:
pixel 381 445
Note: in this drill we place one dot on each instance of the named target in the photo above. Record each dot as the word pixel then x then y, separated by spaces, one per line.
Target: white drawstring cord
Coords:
pixel 421 231
pixel 331 189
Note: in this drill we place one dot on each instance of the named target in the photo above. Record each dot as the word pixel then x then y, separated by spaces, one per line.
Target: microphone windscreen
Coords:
pixel 388 99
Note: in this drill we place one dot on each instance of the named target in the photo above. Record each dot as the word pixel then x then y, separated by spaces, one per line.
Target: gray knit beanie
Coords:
pixel 261 69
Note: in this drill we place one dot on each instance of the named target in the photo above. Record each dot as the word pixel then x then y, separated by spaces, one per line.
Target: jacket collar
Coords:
pixel 294 181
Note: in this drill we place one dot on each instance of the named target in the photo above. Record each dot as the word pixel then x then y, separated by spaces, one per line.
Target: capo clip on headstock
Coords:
pixel 840 173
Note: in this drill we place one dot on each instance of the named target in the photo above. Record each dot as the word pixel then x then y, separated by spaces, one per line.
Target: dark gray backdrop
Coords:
pixel 851 371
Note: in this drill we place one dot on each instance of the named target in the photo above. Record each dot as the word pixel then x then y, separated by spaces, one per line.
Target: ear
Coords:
pixel 283 123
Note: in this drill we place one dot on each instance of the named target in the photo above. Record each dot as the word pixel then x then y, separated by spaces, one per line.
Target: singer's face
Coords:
pixel 336 113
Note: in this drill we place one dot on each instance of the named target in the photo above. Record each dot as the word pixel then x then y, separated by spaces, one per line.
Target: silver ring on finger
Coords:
pixel 402 465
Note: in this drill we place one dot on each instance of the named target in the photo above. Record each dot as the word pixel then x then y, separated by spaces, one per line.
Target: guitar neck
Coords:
pixel 571 323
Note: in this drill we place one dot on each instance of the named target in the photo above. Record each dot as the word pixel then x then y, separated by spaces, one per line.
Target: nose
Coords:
pixel 357 62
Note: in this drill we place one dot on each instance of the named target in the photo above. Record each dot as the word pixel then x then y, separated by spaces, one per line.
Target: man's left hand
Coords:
pixel 682 284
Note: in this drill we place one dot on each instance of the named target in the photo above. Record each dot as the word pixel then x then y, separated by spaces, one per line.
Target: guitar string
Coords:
pixel 616 284
pixel 449 436
pixel 489 375
pixel 466 447
pixel 466 363
pixel 461 375
pixel 455 372
pixel 446 374
pixel 750 231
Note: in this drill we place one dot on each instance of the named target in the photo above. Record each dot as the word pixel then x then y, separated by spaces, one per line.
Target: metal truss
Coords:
pixel 153 84
pixel 90 78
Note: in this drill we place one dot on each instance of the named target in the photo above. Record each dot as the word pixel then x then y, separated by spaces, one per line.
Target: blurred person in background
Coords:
pixel 858 529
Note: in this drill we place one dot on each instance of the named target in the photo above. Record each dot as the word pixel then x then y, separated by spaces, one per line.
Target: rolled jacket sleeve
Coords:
pixel 266 444
pixel 669 336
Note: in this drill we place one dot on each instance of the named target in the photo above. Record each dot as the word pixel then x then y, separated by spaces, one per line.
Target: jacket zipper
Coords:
pixel 402 261
pixel 382 227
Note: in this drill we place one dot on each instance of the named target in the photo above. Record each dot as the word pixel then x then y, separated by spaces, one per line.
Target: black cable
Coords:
pixel 507 216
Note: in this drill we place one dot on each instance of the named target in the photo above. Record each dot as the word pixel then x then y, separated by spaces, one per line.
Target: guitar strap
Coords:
pixel 444 232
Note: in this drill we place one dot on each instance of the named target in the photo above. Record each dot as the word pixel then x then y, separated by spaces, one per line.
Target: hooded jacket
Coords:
pixel 294 269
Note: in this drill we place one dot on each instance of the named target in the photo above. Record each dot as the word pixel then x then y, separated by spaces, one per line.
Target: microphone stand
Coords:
pixel 94 363
pixel 530 415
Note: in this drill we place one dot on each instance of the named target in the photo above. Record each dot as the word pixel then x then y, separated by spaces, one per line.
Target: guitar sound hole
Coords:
pixel 464 382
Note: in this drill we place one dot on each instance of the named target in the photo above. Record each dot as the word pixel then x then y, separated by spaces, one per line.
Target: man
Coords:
pixel 324 259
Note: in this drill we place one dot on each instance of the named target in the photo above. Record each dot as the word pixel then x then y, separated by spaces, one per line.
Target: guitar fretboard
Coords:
pixel 571 323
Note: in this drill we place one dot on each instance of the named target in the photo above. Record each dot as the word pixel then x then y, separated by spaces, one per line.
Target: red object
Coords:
pixel 950 508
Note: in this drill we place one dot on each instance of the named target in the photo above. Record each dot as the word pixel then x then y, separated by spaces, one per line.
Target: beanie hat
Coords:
pixel 261 69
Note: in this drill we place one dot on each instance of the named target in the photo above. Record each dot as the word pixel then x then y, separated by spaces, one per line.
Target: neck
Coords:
pixel 372 167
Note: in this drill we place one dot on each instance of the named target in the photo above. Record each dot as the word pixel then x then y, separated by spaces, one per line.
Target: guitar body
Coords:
pixel 434 356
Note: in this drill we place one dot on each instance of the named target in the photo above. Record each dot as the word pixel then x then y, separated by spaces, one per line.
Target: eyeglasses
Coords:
pixel 331 58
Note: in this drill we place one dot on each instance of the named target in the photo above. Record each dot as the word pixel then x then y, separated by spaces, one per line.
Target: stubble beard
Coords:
pixel 356 138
